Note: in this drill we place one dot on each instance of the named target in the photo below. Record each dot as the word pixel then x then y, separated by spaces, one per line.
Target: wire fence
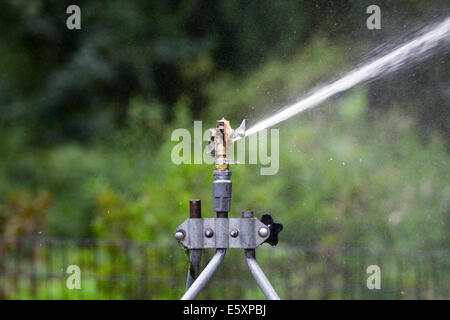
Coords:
pixel 36 268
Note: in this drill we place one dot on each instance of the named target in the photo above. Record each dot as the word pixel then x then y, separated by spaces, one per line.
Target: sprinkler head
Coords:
pixel 221 139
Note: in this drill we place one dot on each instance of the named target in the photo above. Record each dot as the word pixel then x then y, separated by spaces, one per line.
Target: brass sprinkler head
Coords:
pixel 222 138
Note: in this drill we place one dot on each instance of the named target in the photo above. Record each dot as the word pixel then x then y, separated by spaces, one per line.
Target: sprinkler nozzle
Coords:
pixel 239 133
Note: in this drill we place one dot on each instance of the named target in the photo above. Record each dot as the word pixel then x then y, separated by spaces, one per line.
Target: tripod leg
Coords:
pixel 259 275
pixel 206 274
pixel 194 267
pixel 195 212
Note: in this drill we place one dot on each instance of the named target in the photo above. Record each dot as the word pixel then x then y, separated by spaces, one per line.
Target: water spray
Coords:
pixel 418 48
pixel 222 232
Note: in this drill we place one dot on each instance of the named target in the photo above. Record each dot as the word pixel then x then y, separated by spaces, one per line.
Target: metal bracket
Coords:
pixel 204 233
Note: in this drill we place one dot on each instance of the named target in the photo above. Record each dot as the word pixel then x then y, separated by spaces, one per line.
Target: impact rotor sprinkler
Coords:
pixel 222 232
pixel 222 137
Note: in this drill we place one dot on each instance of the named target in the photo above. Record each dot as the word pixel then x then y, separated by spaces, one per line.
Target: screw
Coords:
pixel 209 233
pixel 179 235
pixel 263 232
pixel 234 233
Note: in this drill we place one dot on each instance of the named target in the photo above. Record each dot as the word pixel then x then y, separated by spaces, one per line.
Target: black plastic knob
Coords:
pixel 274 228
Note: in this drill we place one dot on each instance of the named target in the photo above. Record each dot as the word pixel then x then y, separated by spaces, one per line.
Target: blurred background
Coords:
pixel 86 176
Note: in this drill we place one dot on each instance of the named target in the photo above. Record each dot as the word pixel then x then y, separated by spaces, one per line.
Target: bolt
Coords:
pixel 209 233
pixel 179 235
pixel 234 233
pixel 263 232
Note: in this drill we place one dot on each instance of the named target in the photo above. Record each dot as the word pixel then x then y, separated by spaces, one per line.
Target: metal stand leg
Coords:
pixel 259 275
pixel 206 274
pixel 194 267
pixel 195 257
